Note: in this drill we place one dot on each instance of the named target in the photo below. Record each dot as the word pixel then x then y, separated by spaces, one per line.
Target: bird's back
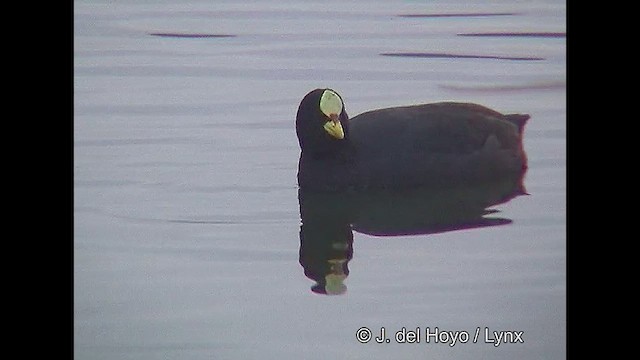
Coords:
pixel 439 142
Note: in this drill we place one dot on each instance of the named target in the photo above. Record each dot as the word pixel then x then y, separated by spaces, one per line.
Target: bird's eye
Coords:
pixel 330 103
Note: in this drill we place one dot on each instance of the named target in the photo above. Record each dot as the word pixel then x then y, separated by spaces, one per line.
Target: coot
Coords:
pixel 436 144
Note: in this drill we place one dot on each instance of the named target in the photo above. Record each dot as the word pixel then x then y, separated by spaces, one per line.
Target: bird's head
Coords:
pixel 321 121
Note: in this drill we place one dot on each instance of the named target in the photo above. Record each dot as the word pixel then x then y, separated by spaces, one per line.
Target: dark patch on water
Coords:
pixel 197 36
pixel 461 56
pixel 457 15
pixel 552 85
pixel 523 34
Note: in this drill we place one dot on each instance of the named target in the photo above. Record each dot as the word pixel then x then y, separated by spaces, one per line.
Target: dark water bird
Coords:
pixel 436 144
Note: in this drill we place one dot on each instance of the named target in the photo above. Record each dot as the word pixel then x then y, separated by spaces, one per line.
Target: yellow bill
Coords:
pixel 334 128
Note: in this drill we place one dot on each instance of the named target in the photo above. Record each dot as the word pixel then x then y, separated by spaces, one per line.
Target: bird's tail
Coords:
pixel 518 120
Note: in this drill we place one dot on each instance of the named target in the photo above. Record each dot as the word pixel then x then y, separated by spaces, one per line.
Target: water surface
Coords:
pixel 187 221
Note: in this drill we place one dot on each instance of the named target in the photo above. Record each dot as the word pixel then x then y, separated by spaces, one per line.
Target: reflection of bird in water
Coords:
pixel 428 210
pixel 443 144
pixel 326 242
pixel 328 221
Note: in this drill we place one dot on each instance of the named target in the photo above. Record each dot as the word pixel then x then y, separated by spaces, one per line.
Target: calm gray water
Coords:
pixel 186 206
